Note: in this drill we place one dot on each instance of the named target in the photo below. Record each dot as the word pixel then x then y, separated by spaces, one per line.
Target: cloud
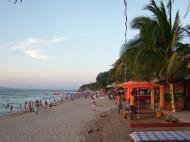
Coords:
pixel 34 47
pixel 33 40
pixel 57 39
pixel 36 54
pixel 41 41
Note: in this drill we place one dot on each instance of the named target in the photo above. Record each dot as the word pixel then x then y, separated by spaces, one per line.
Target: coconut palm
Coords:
pixel 158 51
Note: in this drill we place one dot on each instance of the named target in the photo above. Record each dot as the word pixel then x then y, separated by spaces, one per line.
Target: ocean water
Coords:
pixel 17 97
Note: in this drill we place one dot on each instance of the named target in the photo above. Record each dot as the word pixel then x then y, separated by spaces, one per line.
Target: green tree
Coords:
pixel 102 79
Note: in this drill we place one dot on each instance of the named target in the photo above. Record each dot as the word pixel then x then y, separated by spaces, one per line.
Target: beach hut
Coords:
pixel 130 85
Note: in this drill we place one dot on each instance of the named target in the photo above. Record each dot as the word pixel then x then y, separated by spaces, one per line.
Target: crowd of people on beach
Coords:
pixel 46 103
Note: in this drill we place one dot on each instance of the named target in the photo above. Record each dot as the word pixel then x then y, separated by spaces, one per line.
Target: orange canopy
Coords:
pixel 136 84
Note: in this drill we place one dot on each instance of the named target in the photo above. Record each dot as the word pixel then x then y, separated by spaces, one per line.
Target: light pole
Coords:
pixel 125 13
pixel 125 79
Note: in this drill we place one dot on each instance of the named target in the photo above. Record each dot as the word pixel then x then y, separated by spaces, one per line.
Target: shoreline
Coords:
pixel 19 100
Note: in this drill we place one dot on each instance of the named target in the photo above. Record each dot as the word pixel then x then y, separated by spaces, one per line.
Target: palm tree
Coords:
pixel 157 51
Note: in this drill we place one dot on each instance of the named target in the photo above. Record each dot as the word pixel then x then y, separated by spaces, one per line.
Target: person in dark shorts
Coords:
pixel 132 105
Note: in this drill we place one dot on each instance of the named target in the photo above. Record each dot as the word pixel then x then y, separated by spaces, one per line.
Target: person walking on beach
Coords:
pixel 46 105
pixel 11 108
pixel 132 105
pixel 93 103
pixel 118 102
pixel 25 103
pixel 30 107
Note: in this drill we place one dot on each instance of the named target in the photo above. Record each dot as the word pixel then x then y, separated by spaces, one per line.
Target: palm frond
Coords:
pixel 174 63
pixel 187 30
pixel 15 1
pixel 187 10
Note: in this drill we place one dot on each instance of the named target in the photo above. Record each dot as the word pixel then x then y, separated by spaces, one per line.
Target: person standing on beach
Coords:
pixel 11 108
pixel 46 105
pixel 20 106
pixel 30 107
pixel 132 105
pixel 93 103
pixel 118 102
pixel 25 106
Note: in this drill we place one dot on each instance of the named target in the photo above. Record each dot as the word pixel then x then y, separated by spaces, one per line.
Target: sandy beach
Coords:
pixel 73 122
pixel 66 122
pixel 110 127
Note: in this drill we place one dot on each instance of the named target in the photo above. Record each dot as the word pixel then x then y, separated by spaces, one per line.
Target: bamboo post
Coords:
pixel 162 97
pixel 172 97
pixel 152 98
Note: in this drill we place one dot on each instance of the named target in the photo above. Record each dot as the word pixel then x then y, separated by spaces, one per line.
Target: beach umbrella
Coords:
pixel 130 85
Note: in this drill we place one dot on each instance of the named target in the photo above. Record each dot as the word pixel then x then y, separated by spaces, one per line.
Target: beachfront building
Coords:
pixel 157 96
pixel 181 90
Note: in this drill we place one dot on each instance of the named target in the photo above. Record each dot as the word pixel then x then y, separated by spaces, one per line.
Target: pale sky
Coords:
pixel 62 44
